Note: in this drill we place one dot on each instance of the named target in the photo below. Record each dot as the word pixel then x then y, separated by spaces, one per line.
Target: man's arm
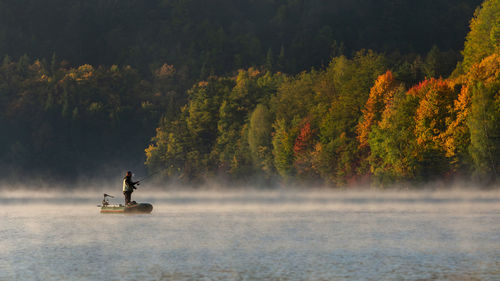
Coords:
pixel 130 183
pixel 134 183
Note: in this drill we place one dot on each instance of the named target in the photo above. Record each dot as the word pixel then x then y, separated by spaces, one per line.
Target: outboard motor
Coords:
pixel 105 201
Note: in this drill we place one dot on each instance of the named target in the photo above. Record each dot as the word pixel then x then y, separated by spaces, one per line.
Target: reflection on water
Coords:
pixel 253 236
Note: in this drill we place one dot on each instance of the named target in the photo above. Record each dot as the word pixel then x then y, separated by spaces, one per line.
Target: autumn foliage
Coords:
pixel 363 118
pixel 381 95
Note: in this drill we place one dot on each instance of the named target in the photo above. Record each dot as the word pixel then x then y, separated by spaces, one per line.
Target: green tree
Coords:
pixel 484 36
pixel 269 60
pixel 259 138
pixel 282 150
pixel 393 143
pixel 168 150
pixel 484 126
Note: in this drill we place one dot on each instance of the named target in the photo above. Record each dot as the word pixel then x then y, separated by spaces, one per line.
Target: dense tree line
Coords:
pixel 59 122
pixel 202 38
pixel 336 92
pixel 361 119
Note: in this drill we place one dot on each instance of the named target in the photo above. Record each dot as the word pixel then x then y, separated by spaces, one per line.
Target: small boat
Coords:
pixel 132 208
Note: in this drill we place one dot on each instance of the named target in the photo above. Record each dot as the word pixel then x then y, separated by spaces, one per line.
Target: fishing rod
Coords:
pixel 145 178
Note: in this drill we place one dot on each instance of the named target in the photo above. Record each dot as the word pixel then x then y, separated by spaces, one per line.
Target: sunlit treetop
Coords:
pixel 484 36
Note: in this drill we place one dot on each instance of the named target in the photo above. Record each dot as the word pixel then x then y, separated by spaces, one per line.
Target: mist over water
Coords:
pixel 252 235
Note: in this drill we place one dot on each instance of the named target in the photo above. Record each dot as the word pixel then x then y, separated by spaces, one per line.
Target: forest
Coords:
pixel 335 93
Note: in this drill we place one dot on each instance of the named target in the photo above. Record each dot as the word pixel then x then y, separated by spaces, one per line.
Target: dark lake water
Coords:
pixel 256 235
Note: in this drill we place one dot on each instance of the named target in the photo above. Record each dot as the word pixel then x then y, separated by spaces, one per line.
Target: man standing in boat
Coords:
pixel 128 187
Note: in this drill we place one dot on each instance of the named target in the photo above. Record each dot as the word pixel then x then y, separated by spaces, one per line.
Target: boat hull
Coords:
pixel 140 208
